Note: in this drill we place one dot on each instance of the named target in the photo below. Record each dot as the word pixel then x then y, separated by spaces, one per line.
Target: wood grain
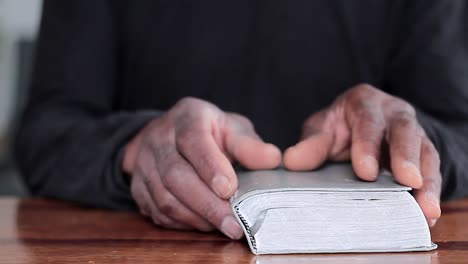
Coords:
pixel 48 231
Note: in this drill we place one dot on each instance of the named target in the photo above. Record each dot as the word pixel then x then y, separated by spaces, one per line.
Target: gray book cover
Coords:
pixel 334 177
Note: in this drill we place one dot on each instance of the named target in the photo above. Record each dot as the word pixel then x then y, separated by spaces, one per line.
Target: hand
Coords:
pixel 181 166
pixel 364 125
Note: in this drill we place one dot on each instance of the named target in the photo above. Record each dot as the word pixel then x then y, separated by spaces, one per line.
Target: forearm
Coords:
pixel 77 157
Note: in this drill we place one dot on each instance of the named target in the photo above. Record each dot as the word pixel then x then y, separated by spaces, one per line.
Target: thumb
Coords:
pixel 246 147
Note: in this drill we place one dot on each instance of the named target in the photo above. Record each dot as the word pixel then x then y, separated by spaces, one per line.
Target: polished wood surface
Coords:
pixel 47 231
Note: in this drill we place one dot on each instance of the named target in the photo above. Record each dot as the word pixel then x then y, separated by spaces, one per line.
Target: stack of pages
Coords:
pixel 327 210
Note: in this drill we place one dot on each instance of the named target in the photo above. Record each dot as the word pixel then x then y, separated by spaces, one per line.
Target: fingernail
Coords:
pixel 369 163
pixel 432 222
pixel 230 227
pixel 272 148
pixel 288 149
pixel 432 199
pixel 414 172
pixel 221 186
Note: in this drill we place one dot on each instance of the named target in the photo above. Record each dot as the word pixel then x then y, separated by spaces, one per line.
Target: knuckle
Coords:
pixel 208 161
pixel 184 123
pixel 204 158
pixel 203 225
pixel 205 162
pixel 409 109
pixel 159 129
pixel 430 150
pixel 363 90
pixel 189 100
pixel 403 107
pixel 359 104
pixel 370 120
pixel 404 120
pixel 140 200
pixel 166 204
pixel 162 152
pixel 199 223
pixel 369 128
pixel 318 119
pixel 406 149
pixel 161 220
pixel 370 144
pixel 397 106
pixel 156 220
pixel 419 131
pixel 210 212
pixel 148 140
pixel 186 138
pixel 143 204
pixel 190 105
pixel 148 181
pixel 428 145
pixel 364 108
pixel 170 176
pixel 241 120
pixel 433 182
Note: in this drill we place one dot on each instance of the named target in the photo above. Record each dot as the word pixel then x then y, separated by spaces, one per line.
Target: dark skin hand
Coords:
pixel 180 166
pixel 365 126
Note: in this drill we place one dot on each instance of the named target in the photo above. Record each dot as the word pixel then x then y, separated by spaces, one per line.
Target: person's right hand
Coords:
pixel 180 166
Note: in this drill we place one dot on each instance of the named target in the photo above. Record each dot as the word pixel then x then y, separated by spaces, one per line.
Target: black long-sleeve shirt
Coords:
pixel 105 68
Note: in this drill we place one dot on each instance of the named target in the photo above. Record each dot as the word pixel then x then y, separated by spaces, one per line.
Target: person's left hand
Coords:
pixel 365 125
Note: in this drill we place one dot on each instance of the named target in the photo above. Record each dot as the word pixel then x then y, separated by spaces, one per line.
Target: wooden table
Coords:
pixel 46 231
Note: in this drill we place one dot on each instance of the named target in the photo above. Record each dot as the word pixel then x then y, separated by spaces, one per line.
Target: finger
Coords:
pixel 159 218
pixel 314 148
pixel 167 207
pixel 164 201
pixel 367 132
pixel 344 155
pixel 182 181
pixel 198 146
pixel 309 153
pixel 245 146
pixel 253 153
pixel 428 196
pixel 148 208
pixel 405 148
pixel 137 189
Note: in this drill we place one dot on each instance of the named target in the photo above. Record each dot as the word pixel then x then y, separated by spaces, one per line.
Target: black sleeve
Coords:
pixel 428 67
pixel 70 142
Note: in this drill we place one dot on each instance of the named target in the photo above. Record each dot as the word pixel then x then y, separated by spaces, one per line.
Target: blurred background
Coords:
pixel 19 21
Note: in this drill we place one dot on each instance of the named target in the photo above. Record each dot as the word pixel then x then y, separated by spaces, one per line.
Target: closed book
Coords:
pixel 327 210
